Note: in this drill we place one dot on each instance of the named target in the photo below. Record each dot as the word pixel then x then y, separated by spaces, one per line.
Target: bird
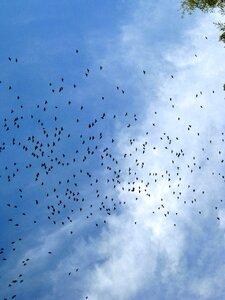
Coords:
pixel 71 155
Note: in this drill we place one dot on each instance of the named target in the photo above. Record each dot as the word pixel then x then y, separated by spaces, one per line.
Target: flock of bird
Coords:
pixel 60 161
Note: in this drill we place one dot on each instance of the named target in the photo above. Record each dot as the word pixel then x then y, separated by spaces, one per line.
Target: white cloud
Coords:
pixel 153 251
pixel 153 258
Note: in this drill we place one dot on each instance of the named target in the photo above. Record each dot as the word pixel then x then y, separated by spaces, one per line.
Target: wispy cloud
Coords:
pixel 161 247
pixel 168 240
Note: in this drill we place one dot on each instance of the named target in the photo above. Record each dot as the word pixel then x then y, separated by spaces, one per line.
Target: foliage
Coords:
pixel 204 5
pixel 188 6
pixel 221 26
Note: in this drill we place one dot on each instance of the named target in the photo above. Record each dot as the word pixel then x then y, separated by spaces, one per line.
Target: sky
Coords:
pixel 111 151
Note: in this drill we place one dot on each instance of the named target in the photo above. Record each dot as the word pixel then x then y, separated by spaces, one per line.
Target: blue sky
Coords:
pixel 127 201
